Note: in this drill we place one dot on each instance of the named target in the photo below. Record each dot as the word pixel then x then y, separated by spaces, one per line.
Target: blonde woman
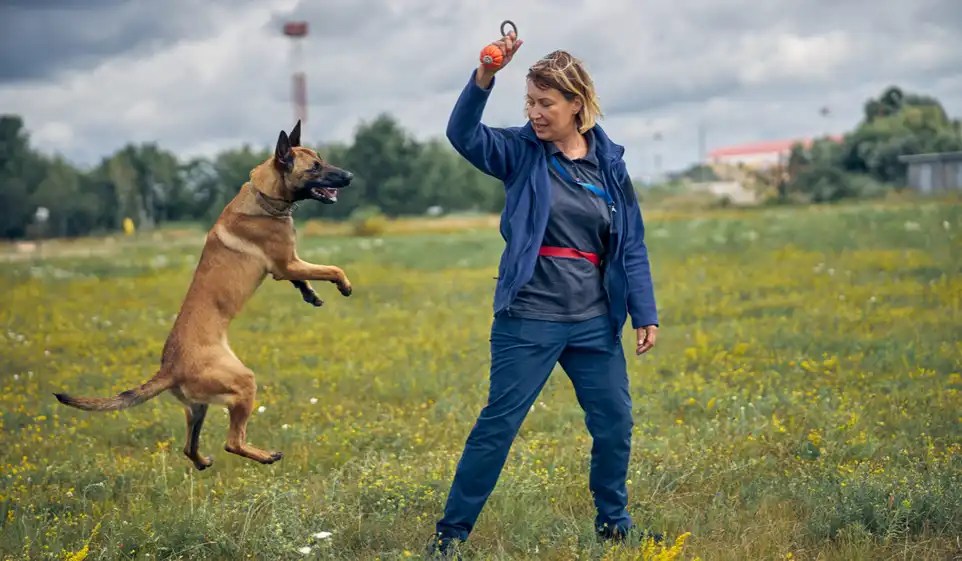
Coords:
pixel 574 267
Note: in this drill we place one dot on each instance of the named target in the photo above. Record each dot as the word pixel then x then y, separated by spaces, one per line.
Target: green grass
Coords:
pixel 804 400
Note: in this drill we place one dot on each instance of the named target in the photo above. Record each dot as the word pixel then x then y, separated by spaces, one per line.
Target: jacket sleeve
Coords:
pixel 491 150
pixel 641 293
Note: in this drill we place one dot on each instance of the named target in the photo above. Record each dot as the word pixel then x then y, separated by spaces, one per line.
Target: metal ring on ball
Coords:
pixel 513 26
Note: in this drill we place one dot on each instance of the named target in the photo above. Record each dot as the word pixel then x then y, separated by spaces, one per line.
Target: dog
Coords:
pixel 253 237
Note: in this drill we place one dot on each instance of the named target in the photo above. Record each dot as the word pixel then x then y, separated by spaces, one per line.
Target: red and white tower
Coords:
pixel 296 31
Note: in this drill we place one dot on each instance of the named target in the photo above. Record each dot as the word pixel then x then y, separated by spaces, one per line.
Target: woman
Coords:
pixel 575 266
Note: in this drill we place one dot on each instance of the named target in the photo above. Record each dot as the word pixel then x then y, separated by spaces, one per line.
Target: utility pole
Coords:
pixel 825 112
pixel 702 164
pixel 657 155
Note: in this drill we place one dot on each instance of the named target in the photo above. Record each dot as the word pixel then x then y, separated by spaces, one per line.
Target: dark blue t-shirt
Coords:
pixel 562 288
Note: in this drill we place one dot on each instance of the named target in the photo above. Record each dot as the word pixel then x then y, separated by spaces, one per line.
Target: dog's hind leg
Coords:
pixel 307 292
pixel 195 420
pixel 240 406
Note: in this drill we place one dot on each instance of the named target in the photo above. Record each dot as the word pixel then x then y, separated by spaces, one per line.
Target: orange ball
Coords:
pixel 491 56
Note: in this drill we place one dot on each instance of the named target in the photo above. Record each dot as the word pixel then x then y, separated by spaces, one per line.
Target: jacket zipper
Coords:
pixel 617 189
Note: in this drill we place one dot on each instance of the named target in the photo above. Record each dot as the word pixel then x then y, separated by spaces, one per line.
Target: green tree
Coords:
pixel 383 156
pixel 73 211
pixel 21 169
pixel 896 124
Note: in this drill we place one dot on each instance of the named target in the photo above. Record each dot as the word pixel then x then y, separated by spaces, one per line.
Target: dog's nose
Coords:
pixel 348 175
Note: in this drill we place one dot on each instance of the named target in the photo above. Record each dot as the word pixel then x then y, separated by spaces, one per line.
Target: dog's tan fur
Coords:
pixel 253 237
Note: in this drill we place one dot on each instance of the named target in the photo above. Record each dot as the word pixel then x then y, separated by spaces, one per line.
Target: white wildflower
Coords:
pixel 313 401
pixel 261 409
pixel 322 535
pixel 306 550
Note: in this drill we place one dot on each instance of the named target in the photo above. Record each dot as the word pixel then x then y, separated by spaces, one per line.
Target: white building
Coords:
pixel 758 155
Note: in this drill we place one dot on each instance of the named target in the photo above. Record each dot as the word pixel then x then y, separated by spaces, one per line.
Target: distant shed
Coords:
pixel 934 173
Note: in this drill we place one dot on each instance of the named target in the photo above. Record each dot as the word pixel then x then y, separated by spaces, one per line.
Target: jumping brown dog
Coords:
pixel 253 237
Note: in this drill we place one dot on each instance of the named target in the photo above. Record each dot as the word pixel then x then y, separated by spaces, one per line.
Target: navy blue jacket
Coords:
pixel 515 156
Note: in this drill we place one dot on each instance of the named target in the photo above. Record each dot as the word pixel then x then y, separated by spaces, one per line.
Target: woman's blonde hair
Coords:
pixel 567 74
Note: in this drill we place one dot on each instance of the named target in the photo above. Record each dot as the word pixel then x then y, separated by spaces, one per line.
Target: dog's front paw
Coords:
pixel 345 287
pixel 313 299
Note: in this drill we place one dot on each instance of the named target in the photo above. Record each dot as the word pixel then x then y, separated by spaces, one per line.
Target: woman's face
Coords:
pixel 551 115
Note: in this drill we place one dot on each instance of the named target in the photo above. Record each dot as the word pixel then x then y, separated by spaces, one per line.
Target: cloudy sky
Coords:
pixel 88 76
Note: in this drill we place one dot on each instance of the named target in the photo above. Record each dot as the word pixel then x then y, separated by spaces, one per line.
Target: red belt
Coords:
pixel 551 251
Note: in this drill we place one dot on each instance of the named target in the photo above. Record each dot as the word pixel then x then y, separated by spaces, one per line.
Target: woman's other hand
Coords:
pixel 646 338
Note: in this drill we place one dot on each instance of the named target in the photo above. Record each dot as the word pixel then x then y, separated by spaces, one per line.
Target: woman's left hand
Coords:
pixel 646 338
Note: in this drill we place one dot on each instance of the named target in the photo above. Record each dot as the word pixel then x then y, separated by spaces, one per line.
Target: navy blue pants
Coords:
pixel 523 354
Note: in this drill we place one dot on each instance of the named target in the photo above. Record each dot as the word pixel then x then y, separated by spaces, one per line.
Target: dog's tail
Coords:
pixel 151 388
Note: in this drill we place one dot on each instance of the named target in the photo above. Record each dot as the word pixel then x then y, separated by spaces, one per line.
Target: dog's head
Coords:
pixel 304 173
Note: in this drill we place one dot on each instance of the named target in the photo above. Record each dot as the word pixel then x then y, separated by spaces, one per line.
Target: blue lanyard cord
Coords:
pixel 589 186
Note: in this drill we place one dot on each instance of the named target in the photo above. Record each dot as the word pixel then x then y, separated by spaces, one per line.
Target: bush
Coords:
pixel 825 184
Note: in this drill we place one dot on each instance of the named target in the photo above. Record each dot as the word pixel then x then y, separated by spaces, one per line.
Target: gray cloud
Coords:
pixel 201 78
pixel 39 39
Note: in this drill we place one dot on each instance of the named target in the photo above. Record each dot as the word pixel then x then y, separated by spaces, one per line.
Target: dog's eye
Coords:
pixel 317 166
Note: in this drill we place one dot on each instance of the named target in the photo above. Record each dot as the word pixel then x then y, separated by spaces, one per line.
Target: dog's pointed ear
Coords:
pixel 295 136
pixel 283 154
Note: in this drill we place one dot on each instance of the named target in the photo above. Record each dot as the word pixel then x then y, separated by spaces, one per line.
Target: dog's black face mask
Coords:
pixel 307 174
pixel 326 184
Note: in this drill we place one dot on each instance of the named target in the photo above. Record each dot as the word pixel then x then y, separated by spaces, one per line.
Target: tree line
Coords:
pixel 397 175
pixel 394 174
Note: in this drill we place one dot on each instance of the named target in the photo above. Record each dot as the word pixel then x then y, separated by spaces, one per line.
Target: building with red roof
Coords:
pixel 759 154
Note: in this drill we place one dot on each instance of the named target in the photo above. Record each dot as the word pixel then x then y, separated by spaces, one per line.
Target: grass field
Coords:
pixel 804 401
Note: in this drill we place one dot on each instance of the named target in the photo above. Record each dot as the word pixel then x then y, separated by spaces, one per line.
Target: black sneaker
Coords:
pixel 442 548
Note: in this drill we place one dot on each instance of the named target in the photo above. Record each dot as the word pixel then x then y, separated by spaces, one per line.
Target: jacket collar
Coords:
pixel 606 150
pixel 591 156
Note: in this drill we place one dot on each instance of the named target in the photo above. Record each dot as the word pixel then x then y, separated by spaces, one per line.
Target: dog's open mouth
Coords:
pixel 325 188
pixel 326 195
